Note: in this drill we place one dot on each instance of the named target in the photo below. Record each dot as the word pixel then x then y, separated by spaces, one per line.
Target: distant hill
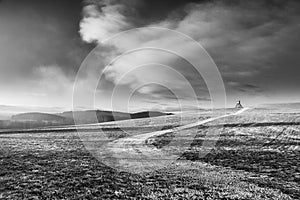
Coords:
pixel 36 119
pixel 94 116
pixel 35 116
pixel 147 114
pixel 295 105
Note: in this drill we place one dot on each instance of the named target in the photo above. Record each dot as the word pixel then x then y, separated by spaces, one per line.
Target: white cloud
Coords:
pixel 98 25
pixel 52 79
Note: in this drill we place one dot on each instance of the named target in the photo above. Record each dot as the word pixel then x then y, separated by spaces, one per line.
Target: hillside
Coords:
pixel 146 114
pixel 35 116
pixel 36 119
pixel 295 105
pixel 282 107
pixel 94 116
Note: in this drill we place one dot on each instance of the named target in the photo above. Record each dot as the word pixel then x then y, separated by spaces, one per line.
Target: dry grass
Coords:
pixel 248 162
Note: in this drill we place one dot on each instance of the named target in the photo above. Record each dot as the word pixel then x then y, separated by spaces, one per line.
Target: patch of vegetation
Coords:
pixel 268 151
pixel 247 163
pixel 162 140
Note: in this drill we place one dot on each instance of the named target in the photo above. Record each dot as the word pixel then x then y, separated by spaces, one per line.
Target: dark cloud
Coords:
pixel 254 43
pixel 249 88
pixel 142 12
pixel 40 51
pixel 36 33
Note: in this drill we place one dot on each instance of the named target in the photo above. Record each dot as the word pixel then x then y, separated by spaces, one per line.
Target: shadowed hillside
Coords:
pixel 36 119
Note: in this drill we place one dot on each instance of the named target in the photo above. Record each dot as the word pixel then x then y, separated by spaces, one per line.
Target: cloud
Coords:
pixel 100 23
pixel 52 79
pixel 244 87
pixel 39 33
pixel 245 39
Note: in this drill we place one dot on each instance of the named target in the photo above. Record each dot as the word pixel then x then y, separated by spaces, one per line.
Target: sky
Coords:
pixel 48 48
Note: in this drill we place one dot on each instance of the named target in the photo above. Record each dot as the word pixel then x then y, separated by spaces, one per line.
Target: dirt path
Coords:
pixel 132 153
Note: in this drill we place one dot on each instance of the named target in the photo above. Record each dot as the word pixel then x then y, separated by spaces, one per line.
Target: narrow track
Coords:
pixel 132 153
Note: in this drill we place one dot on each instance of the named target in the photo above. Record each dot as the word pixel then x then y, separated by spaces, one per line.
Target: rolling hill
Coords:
pixel 36 116
pixel 37 119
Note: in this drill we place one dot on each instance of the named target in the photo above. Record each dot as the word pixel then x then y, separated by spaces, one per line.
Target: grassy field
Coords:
pixel 256 156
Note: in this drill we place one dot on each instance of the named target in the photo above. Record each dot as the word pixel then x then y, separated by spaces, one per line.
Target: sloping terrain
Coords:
pixel 134 149
pixel 35 119
pixel 246 162
pixel 35 116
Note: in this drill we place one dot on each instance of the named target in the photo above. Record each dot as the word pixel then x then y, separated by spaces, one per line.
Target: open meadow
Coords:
pixel 255 155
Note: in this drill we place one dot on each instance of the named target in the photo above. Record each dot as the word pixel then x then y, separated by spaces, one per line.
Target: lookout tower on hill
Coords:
pixel 238 105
